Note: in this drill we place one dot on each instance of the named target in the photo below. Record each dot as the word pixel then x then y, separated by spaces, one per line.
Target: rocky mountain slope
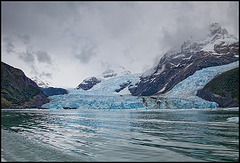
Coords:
pixel 218 48
pixel 18 91
pixel 223 89
pixel 88 83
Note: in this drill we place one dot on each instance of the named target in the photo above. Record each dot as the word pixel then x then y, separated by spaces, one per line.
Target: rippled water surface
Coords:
pixel 119 135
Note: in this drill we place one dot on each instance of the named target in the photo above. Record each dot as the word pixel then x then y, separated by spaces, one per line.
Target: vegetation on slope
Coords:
pixel 225 82
pixel 16 88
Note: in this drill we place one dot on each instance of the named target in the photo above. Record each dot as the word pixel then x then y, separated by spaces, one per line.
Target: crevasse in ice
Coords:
pixel 102 96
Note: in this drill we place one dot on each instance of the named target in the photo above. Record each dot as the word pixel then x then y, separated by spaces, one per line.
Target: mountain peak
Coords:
pixel 215 28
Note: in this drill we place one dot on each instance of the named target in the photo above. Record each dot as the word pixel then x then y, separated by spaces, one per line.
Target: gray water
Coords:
pixel 119 135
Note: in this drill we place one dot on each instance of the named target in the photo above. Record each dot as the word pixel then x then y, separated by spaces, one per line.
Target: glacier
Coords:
pixel 188 87
pixel 94 100
pixel 183 95
pixel 104 96
pixel 112 84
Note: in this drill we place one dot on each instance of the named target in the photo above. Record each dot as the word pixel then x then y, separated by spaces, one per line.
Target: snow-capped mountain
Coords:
pixel 88 83
pixel 218 48
pixel 41 83
pixel 113 80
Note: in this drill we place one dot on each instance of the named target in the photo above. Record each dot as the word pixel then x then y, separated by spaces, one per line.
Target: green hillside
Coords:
pixel 16 88
pixel 225 82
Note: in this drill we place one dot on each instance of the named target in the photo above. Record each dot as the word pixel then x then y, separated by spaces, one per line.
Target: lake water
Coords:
pixel 120 135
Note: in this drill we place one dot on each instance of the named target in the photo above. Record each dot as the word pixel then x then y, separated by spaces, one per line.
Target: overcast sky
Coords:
pixel 66 42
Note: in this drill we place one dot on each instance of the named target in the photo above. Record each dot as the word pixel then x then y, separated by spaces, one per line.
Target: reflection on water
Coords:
pixel 119 135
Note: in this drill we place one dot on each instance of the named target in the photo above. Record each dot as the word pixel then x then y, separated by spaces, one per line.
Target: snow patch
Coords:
pixel 178 56
pixel 209 45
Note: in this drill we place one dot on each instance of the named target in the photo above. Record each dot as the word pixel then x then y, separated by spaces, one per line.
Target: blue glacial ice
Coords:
pixel 103 96
pixel 94 100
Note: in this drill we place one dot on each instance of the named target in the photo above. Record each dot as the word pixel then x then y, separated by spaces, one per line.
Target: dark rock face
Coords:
pixel 18 91
pixel 223 49
pixel 88 83
pixel 50 91
pixel 175 66
pixel 122 86
pixel 109 73
pixel 226 101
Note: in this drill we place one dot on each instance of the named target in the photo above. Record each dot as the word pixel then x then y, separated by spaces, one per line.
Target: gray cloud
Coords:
pixel 27 57
pixel 44 74
pixel 85 53
pixel 8 45
pixel 233 15
pixel 43 57
pixel 25 38
pixel 129 34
